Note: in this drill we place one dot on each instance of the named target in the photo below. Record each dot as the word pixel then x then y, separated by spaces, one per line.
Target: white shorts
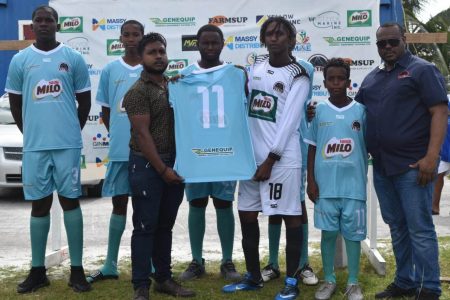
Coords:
pixel 279 195
pixel 444 167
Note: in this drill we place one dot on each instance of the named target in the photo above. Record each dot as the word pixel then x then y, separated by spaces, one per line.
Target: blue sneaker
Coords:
pixel 246 284
pixel 290 290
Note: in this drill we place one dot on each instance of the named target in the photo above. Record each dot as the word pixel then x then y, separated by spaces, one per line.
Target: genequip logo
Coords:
pixel 189 42
pixel 294 20
pixel 81 44
pixel 71 24
pixel 228 21
pixel 175 66
pixel 327 19
pixel 359 18
pixel 114 47
pixel 213 151
pixel 107 23
pixel 348 40
pixel 242 42
pixel 173 21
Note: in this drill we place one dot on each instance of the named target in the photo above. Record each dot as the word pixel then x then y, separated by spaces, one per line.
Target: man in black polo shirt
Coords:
pixel 406 123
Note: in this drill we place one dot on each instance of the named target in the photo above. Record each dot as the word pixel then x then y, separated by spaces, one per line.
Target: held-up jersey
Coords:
pixel 340 166
pixel 116 79
pixel 211 131
pixel 48 81
pixel 275 109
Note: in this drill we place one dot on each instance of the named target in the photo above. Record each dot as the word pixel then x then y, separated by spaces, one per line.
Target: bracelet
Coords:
pixel 274 156
pixel 163 172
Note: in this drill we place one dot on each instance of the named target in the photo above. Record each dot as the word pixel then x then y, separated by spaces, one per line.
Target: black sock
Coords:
pixel 294 238
pixel 250 245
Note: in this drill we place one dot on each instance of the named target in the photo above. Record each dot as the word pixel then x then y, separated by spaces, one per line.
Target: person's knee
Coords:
pixel 199 203
pixel 222 204
pixel 292 221
pixel 41 208
pixel 68 203
pixel 120 204
pixel 275 220
pixel 248 216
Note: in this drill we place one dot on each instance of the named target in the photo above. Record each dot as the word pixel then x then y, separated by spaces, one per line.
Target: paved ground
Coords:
pixel 15 245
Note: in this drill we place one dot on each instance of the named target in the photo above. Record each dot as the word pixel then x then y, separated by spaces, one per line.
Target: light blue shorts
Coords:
pixel 48 170
pixel 341 214
pixel 223 190
pixel 116 179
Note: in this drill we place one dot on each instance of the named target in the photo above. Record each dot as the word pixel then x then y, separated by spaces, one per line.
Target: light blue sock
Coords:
pixel 116 228
pixel 73 221
pixel 39 228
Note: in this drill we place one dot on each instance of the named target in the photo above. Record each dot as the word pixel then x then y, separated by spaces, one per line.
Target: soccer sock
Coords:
pixel 353 256
pixel 116 228
pixel 250 245
pixel 294 238
pixel 39 227
pixel 225 228
pixel 73 221
pixel 196 224
pixel 328 250
pixel 274 244
pixel 304 254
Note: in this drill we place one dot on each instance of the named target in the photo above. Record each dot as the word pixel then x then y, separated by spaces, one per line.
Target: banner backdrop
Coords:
pixel 326 28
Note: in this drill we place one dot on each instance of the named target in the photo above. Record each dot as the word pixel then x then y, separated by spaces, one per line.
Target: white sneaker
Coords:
pixel 307 275
pixel 269 272
pixel 325 291
pixel 353 292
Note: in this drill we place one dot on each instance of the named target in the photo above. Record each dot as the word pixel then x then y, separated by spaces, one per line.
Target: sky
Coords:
pixel 432 8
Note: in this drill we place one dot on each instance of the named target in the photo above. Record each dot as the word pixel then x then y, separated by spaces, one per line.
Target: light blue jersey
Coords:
pixel 211 132
pixel 341 155
pixel 116 79
pixel 48 82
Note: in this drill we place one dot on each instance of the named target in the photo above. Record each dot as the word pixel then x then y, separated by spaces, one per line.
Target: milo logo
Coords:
pixel 114 47
pixel 359 18
pixel 175 66
pixel 263 106
pixel 47 88
pixel 336 147
pixel 71 24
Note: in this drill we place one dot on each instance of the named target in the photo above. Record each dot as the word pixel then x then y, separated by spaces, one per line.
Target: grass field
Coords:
pixel 209 286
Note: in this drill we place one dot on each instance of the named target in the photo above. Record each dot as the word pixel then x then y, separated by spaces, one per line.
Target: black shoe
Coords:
pixel 173 288
pixel 78 281
pixel 193 271
pixel 425 294
pixel 35 280
pixel 228 271
pixel 141 293
pixel 394 290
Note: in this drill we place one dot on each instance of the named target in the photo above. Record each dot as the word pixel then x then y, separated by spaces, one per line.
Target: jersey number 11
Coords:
pixel 218 89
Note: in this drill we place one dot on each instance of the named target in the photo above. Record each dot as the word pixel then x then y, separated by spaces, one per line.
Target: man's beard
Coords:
pixel 154 71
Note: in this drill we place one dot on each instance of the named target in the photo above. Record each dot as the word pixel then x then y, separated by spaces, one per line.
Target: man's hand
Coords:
pixel 175 78
pixel 171 177
pixel 264 171
pixel 427 169
pixel 312 190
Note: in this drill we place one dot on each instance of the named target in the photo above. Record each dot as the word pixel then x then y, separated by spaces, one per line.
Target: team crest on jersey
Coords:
pixel 46 88
pixel 356 125
pixel 278 87
pixel 336 147
pixel 63 67
pixel 263 106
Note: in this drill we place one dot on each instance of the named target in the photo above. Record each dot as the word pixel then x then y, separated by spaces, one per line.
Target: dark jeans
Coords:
pixel 155 208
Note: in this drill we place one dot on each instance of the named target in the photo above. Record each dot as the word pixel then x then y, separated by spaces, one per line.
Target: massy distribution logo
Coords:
pixel 359 18
pixel 318 91
pixel 104 24
pixel 353 40
pixel 189 42
pixel 93 71
pixel 293 19
pixel 80 44
pixel 303 42
pixel 71 24
pixel 174 21
pixel 114 47
pixel 175 66
pixel 227 21
pixel 328 19
pixel 242 42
